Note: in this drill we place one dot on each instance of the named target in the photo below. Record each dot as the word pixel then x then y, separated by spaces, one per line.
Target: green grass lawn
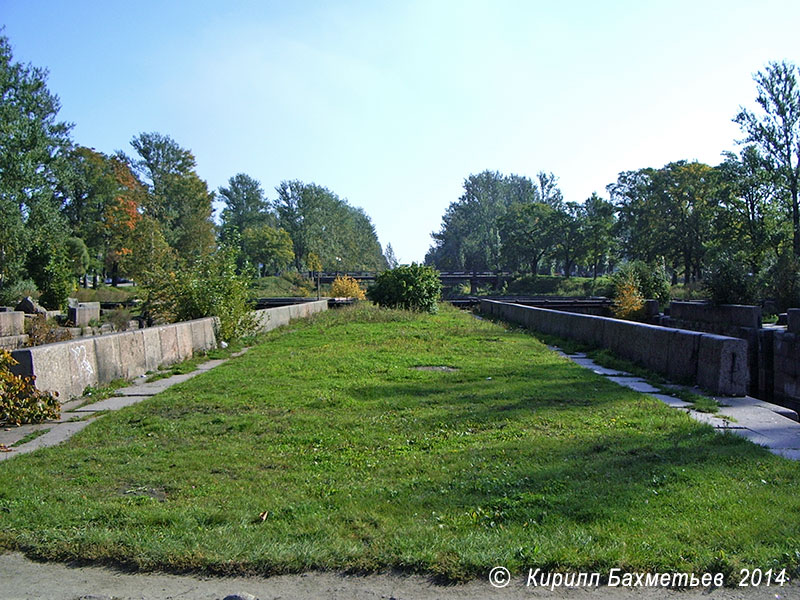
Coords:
pixel 324 448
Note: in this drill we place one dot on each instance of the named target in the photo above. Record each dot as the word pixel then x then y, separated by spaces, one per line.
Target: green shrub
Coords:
pixel 651 280
pixel 781 278
pixel 10 295
pixel 414 287
pixel 209 287
pixel 729 281
pixel 56 282
pixel 20 401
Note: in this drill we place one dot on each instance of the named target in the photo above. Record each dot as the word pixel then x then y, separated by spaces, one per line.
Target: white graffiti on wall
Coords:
pixel 82 362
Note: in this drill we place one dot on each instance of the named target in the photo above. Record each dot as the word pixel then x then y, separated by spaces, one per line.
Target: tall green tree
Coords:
pixel 470 238
pixel 268 248
pixel 752 222
pixel 32 146
pixel 599 232
pixel 570 236
pixel 320 222
pixel 245 205
pixel 775 130
pixel 177 198
pixel 667 214
pixel 528 232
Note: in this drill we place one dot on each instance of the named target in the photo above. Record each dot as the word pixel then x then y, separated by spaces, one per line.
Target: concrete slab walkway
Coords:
pixel 77 414
pixel 769 425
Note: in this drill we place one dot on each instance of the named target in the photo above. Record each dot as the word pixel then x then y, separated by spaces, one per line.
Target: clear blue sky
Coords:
pixel 392 104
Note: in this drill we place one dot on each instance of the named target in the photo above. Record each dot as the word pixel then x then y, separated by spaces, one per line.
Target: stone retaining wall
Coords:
pixel 732 320
pixel 270 318
pixel 715 362
pixel 69 367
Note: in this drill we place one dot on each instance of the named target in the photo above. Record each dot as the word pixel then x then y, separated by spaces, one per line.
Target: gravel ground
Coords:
pixel 22 579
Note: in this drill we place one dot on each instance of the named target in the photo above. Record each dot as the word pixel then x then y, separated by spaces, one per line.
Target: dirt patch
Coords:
pixel 442 368
pixel 25 579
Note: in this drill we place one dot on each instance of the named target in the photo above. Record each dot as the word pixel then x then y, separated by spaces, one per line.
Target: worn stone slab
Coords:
pixel 722 365
pixel 210 364
pixel 109 361
pixel 672 401
pixel 712 419
pixel 682 355
pixel 84 313
pixel 151 340
pixel 55 436
pixel 131 354
pixel 749 401
pixel 12 323
pixel 729 314
pixel 600 370
pixel 13 342
pixel 114 403
pixel 11 435
pixel 793 320
pixel 634 383
pixel 183 331
pixel 156 387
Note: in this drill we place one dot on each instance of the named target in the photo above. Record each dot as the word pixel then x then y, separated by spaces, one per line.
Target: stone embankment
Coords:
pixel 714 362
pixel 69 367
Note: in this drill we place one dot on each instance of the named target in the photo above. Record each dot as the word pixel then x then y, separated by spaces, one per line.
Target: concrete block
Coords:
pixel 12 342
pixel 727 314
pixel 12 323
pixel 131 354
pixel 152 348
pixel 793 320
pixel 183 332
pixel 722 365
pixel 682 351
pixel 83 365
pixel 168 340
pixel 109 363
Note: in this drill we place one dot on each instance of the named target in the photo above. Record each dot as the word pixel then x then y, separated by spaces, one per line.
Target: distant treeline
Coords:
pixel 68 212
pixel 737 221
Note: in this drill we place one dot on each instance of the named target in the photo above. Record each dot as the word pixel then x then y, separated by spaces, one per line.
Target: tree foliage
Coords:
pixel 410 287
pixel 775 130
pixel 33 144
pixel 318 221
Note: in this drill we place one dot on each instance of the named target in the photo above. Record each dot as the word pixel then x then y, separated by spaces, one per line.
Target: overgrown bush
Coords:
pixel 11 294
pixel 42 330
pixel 729 281
pixel 628 299
pixel 651 281
pixel 120 318
pixel 210 287
pixel 411 287
pixel 20 401
pixel 345 286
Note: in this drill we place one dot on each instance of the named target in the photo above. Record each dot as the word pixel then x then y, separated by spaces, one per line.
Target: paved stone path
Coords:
pixel 775 427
